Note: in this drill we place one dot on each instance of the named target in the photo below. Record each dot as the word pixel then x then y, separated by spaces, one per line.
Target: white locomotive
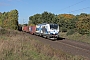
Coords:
pixel 50 31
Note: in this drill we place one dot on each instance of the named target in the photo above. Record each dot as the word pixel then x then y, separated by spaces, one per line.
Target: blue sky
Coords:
pixel 27 8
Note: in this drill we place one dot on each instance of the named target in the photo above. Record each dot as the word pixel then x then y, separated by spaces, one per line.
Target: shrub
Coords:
pixel 83 31
pixel 88 34
pixel 70 32
pixel 3 31
pixel 64 29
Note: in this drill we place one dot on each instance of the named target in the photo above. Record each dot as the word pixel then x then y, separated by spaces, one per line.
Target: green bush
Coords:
pixel 64 29
pixel 83 31
pixel 70 32
pixel 88 34
pixel 3 31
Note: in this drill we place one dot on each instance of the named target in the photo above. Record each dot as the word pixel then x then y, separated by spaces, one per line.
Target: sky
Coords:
pixel 27 8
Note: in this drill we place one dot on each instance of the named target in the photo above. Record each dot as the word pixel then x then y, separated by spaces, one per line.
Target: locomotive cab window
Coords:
pixel 53 26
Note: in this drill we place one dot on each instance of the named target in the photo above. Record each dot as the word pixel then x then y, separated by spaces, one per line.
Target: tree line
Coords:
pixel 9 20
pixel 67 22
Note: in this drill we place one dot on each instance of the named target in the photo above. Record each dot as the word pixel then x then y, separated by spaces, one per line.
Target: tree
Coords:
pixel 66 21
pixel 0 19
pixel 83 23
pixel 9 19
pixel 42 18
pixel 13 19
pixel 36 19
pixel 48 17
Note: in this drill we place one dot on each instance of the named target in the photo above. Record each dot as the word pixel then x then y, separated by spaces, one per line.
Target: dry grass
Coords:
pixel 16 45
pixel 77 37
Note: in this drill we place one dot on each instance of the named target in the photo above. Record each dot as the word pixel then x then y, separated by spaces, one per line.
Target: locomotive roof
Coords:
pixel 46 23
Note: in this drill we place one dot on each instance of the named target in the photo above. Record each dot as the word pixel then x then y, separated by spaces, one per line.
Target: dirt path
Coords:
pixel 68 46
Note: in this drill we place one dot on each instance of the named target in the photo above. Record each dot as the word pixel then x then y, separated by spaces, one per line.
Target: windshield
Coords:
pixel 53 26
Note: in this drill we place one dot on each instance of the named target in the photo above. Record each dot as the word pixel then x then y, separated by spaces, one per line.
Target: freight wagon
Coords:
pixel 25 29
pixel 50 31
pixel 32 29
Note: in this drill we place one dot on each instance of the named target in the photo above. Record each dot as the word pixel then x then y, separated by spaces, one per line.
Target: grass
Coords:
pixel 76 37
pixel 16 45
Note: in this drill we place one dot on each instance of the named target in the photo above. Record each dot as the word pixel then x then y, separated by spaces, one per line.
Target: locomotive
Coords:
pixel 50 31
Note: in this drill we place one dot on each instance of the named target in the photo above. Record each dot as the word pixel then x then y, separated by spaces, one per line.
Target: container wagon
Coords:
pixel 25 29
pixel 32 29
pixel 19 28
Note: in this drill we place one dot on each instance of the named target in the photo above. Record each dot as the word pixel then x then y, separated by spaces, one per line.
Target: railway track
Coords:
pixel 68 46
pixel 76 48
